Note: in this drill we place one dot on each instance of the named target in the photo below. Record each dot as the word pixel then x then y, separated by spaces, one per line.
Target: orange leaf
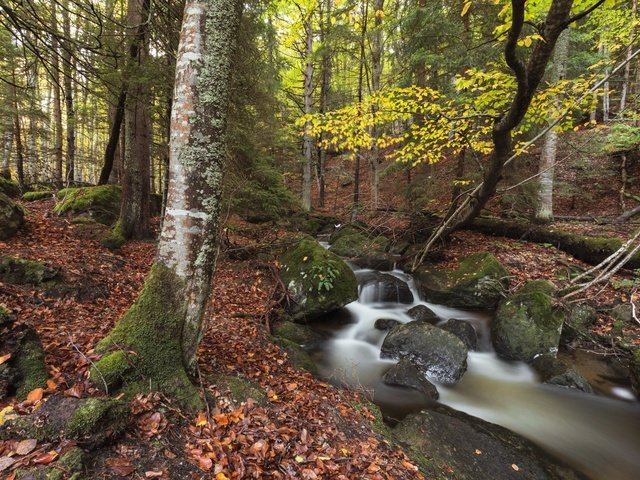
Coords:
pixel 221 419
pixel 45 458
pixel 201 419
pixel 4 358
pixel 205 463
pixel 292 386
pixel 35 395
pixel 75 391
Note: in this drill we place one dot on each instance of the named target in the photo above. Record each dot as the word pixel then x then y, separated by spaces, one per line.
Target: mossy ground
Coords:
pixel 151 329
pixel 101 202
pixel 9 187
pixel 353 242
pixel 25 272
pixel 115 239
pixel 32 371
pixel 33 196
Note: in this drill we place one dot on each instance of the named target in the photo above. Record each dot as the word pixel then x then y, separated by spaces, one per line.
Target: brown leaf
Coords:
pixel 45 458
pixel 25 447
pixel 205 463
pixel 153 474
pixel 6 462
pixel 120 466
pixel 75 391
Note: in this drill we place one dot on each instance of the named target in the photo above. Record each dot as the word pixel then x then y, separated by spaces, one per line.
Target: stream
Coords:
pixel 597 434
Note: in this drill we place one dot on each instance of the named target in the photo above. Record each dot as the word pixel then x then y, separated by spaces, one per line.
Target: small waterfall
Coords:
pixel 597 435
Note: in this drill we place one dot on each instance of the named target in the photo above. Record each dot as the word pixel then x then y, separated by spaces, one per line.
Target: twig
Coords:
pixel 75 347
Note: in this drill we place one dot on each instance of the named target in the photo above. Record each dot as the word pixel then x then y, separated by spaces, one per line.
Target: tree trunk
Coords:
pixel 356 171
pixel 376 84
pixel 135 209
pixel 57 102
pixel 307 148
pixel 5 172
pixel 17 132
pixel 111 149
pixel 165 325
pixel 32 135
pixel 68 71
pixel 544 208
pixel 626 77
pixel 325 89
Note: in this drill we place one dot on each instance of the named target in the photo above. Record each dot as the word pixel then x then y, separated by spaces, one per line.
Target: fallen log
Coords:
pixel 591 250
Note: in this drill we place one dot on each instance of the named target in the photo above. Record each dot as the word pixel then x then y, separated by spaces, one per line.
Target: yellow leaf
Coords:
pixel 345 452
pixel 299 458
pixel 304 259
pixel 201 420
pixel 222 476
pixel 35 395
pixel 6 412
pixel 465 8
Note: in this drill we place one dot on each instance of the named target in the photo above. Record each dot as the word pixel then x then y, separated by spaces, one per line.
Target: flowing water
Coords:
pixel 597 434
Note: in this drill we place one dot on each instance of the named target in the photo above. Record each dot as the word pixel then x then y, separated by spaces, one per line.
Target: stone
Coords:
pixel 634 371
pixel 11 217
pixel 317 281
pixel 463 330
pixel 421 313
pixel 441 438
pixel 295 332
pixel 579 321
pixel 26 272
pixel 436 353
pixel 405 374
pixel 376 287
pixel 480 282
pixel 528 323
pixel 385 323
pixel 100 203
pixel 622 313
pixel 351 241
pixel 9 187
pixel 554 371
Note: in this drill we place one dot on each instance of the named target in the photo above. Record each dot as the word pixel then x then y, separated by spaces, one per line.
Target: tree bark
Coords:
pixel 626 77
pixel 57 102
pixel 325 89
pixel 165 325
pixel 376 84
pixel 546 167
pixel 114 137
pixel 6 149
pixel 307 148
pixel 68 71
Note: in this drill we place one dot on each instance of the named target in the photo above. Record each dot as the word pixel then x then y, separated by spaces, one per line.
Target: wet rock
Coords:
pixel 436 353
pixel 386 323
pixel 295 332
pixel 421 313
pixel 11 217
pixel 351 241
pixel 555 372
pixel 527 323
pixel 463 330
pixel 634 371
pixel 317 280
pixel 579 320
pixel 405 374
pixel 473 449
pixel 375 263
pixel 479 283
pixel 383 287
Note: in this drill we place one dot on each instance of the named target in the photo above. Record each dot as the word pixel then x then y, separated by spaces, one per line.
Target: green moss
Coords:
pixel 9 187
pixel 298 356
pixel 152 329
pixel 113 370
pixel 25 272
pixel 102 202
pixel 318 280
pixel 240 389
pixel 33 196
pixel 94 412
pixel 115 239
pixel 377 425
pixel 30 364
pixel 353 242
pixel 300 334
pixel 528 323
pixel 478 265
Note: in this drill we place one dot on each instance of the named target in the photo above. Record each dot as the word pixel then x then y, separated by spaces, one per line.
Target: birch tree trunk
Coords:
pixel 307 142
pixel 544 207
pixel 165 325
pixel 624 91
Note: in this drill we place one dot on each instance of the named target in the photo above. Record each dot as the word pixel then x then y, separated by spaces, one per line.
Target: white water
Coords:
pixel 597 435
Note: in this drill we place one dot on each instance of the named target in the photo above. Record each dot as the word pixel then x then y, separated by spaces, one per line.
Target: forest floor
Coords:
pixel 292 425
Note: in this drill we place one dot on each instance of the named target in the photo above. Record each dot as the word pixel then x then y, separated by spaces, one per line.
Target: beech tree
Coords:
pixel 155 342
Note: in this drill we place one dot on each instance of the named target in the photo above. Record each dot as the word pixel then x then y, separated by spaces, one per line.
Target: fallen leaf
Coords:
pixel 75 391
pixel 515 467
pixel 45 458
pixel 120 466
pixel 4 358
pixel 205 463
pixel 35 395
pixel 222 476
pixel 292 386
pixel 153 474
pixel 6 413
pixel 478 451
pixel 6 462
pixel 25 447
pixel 201 419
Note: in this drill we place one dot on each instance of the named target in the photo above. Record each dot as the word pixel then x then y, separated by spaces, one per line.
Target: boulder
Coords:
pixel 101 203
pixel 405 374
pixel 295 332
pixel 386 323
pixel 421 313
pixel 11 217
pixel 9 187
pixel 317 281
pixel 463 330
pixel 622 313
pixel 579 321
pixel 527 323
pixel 436 353
pixel 468 448
pixel 26 272
pixel 351 241
pixel 376 287
pixel 554 371
pixel 479 283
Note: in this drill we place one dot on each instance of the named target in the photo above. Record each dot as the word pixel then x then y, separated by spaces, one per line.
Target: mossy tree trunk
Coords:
pixel 165 325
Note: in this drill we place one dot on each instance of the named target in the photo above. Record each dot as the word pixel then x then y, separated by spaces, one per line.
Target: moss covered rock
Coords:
pixel 634 369
pixel 295 332
pixel 422 313
pixel 68 466
pixel 351 241
pixel 239 389
pixel 442 439
pixel 580 319
pixel 101 203
pixel 479 283
pixel 29 363
pixel 438 354
pixel 9 187
pixel 555 372
pixel 317 280
pixel 463 330
pixel 33 196
pixel 528 323
pixel 298 355
pixel 26 272
pixel 91 421
pixel 11 217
